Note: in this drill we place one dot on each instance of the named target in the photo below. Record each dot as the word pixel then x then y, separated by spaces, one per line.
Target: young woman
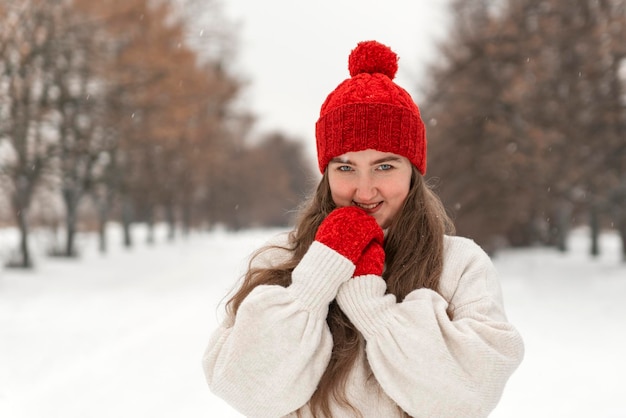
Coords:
pixel 369 307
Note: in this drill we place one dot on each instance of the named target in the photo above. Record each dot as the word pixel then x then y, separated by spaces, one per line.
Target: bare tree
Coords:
pixel 27 122
pixel 79 54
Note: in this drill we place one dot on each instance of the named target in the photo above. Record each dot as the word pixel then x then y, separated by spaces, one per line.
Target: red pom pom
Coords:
pixel 373 57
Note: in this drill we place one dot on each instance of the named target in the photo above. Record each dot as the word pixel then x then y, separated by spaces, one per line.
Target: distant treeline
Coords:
pixel 526 116
pixel 128 107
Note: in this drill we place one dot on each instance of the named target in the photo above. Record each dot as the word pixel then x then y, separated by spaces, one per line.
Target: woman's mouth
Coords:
pixel 368 207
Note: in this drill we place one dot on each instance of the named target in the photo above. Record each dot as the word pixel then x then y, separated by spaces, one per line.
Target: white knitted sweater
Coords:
pixel 434 355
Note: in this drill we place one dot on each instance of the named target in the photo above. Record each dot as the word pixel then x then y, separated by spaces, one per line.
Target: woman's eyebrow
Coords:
pixel 341 160
pixel 386 159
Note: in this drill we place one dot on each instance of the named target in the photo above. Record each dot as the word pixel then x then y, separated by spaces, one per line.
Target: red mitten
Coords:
pixel 372 260
pixel 348 230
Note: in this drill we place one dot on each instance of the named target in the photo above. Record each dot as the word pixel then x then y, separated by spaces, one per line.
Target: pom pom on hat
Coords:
pixel 370 111
pixel 372 57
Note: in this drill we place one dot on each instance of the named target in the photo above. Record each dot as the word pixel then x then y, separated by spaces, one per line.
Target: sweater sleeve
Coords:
pixel 446 354
pixel 268 360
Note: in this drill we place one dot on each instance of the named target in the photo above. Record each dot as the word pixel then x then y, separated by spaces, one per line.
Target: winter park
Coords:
pixel 149 147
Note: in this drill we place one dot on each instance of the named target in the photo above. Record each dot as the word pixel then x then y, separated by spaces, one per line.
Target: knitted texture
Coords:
pixel 348 231
pixel 370 111
pixel 372 261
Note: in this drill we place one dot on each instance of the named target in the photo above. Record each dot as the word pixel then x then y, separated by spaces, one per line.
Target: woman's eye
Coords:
pixel 385 167
pixel 344 168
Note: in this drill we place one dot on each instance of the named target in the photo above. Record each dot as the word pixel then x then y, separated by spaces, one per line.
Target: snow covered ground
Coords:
pixel 122 335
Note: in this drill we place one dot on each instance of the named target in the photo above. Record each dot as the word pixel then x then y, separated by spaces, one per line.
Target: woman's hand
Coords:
pixel 349 230
pixel 372 261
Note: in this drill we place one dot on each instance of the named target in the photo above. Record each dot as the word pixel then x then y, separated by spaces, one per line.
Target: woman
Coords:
pixel 367 308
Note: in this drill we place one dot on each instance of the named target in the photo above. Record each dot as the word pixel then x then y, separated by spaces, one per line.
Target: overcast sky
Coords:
pixel 294 53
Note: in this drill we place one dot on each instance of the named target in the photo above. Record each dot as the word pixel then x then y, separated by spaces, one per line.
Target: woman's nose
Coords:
pixel 365 188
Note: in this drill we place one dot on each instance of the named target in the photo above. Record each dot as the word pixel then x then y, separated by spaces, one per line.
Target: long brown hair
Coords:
pixel 413 260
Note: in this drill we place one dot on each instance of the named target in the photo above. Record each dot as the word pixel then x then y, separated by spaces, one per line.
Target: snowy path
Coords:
pixel 571 313
pixel 116 336
pixel 122 335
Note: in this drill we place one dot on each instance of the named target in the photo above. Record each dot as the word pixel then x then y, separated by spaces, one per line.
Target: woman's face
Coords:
pixel 378 182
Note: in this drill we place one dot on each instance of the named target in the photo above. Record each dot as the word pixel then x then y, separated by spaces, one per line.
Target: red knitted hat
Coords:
pixel 370 111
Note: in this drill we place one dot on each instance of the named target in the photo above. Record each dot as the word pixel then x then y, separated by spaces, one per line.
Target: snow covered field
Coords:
pixel 122 335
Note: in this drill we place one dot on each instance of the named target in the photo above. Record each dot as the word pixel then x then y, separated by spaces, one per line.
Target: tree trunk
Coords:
pixel 26 261
pixel 20 203
pixel 564 213
pixel 126 222
pixel 620 222
pixel 622 233
pixel 70 235
pixel 102 233
pixel 594 229
pixel 103 200
pixel 71 205
pixel 618 204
